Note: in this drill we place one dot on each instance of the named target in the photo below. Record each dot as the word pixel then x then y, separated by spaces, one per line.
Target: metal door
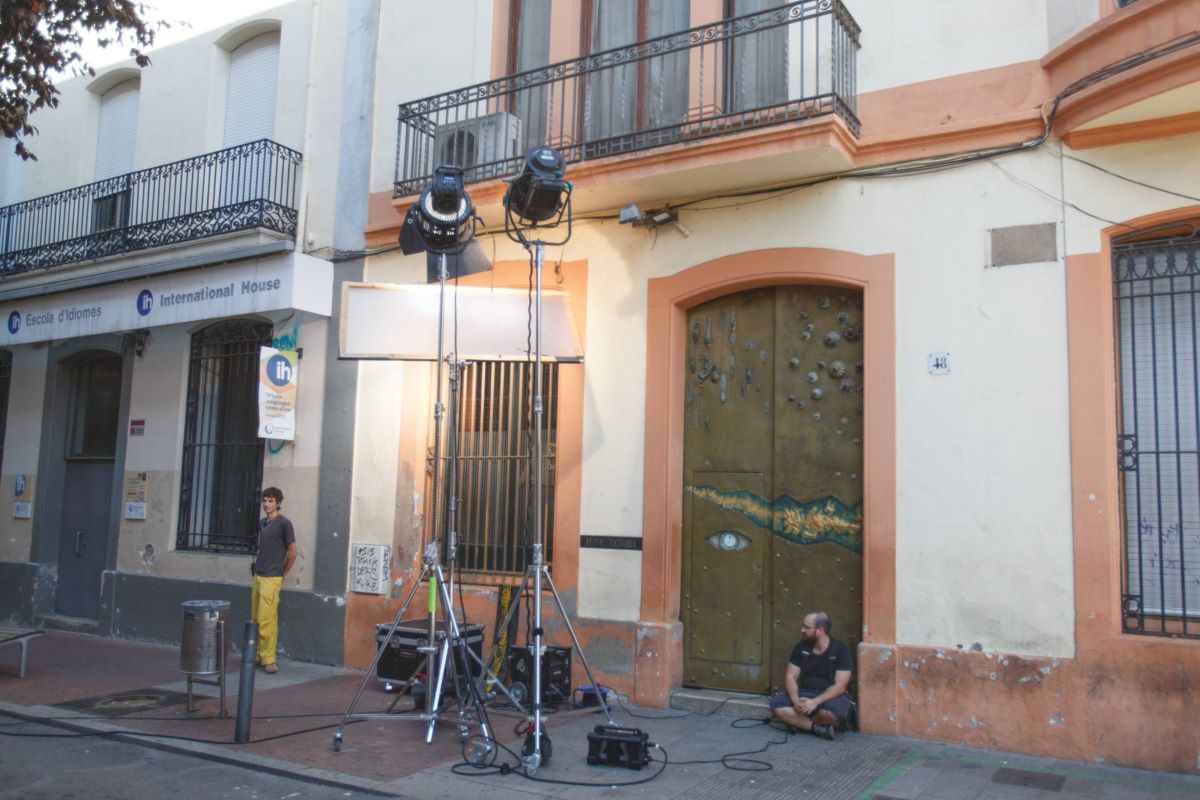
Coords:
pixel 772 511
pixel 92 413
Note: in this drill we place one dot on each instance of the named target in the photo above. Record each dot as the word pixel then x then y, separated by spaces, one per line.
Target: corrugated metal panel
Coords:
pixel 118 130
pixel 250 105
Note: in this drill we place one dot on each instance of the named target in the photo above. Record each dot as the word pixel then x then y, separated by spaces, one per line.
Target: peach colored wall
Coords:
pixel 1123 698
pixel 364 611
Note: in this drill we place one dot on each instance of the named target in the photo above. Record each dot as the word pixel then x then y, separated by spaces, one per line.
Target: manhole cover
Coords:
pixel 1045 781
pixel 116 705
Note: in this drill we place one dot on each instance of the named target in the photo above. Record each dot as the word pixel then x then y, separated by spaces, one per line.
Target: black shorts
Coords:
pixel 840 706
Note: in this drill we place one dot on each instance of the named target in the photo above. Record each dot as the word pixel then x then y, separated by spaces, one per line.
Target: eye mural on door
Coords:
pixel 772 495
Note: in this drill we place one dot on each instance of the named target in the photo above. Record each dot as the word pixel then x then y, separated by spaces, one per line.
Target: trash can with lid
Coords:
pixel 205 635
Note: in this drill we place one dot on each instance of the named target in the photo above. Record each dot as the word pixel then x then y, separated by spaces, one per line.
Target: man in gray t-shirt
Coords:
pixel 276 554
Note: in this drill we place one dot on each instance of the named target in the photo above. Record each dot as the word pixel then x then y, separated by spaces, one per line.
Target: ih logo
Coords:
pixel 14 322
pixel 279 370
pixel 145 302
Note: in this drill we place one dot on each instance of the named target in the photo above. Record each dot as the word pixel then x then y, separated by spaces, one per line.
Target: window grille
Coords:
pixel 493 481
pixel 1157 312
pixel 222 454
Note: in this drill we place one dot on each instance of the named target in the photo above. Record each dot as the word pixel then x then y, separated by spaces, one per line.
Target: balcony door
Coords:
pixel 643 95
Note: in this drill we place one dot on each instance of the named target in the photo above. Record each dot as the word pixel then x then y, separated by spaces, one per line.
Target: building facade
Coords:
pixel 175 223
pixel 885 310
pixel 903 332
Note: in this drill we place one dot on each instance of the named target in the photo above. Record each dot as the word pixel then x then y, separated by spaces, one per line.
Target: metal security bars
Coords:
pixel 493 480
pixel 772 67
pixel 1157 313
pixel 222 454
pixel 240 188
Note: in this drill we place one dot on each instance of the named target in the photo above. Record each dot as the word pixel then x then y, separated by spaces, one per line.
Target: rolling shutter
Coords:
pixel 118 130
pixel 250 105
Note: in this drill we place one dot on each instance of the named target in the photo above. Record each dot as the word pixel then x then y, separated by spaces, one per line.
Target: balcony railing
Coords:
pixel 772 67
pixel 240 188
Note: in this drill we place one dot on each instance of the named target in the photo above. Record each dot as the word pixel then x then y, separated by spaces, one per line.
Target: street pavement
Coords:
pixel 93 709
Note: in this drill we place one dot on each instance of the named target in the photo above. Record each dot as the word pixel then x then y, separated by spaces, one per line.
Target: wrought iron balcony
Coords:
pixel 239 188
pixel 782 65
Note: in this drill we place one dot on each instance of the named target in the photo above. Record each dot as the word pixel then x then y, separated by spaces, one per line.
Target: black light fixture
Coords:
pixel 539 194
pixel 440 223
pixel 440 220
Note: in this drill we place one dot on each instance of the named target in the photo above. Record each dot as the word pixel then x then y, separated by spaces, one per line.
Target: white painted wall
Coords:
pixel 921 40
pixel 181 104
pixel 158 396
pixel 22 446
pixel 424 49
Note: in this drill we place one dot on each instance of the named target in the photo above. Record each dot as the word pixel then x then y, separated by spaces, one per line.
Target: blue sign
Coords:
pixel 145 302
pixel 14 322
pixel 279 370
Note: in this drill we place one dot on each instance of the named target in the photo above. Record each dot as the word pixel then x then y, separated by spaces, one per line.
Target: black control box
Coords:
pixel 404 657
pixel 614 746
pixel 556 673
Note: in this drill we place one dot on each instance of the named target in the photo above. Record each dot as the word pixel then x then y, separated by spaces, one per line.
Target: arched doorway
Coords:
pixel 660 641
pixel 772 479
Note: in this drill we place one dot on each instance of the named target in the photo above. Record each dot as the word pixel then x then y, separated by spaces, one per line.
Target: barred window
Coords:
pixel 1157 313
pixel 493 480
pixel 222 454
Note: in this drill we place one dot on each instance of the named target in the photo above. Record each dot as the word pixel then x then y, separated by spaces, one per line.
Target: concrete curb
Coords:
pixel 54 717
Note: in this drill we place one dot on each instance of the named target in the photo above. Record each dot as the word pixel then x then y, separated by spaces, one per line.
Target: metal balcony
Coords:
pixel 239 188
pixel 773 67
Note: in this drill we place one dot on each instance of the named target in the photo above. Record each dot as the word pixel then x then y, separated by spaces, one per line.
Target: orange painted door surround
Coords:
pixel 772 495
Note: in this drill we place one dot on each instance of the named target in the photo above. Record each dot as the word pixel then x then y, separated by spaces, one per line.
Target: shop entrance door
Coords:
pixel 91 445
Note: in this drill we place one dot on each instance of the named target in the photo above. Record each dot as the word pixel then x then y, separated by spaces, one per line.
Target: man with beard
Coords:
pixel 816 681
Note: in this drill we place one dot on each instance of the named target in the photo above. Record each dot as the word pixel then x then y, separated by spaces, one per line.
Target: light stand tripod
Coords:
pixel 540 195
pixel 452 654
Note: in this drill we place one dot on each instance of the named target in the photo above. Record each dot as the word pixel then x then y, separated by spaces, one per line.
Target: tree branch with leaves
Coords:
pixel 42 40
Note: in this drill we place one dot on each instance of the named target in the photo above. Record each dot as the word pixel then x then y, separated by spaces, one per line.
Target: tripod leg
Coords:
pixel 575 640
pixel 463 682
pixel 435 700
pixel 491 659
pixel 379 651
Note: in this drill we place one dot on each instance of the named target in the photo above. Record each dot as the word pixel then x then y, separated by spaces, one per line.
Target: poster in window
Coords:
pixel 277 393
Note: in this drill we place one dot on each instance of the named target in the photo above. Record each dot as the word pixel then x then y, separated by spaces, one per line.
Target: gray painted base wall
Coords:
pixel 150 609
pixel 28 590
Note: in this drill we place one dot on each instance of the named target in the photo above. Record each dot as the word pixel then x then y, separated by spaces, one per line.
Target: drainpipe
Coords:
pixel 314 16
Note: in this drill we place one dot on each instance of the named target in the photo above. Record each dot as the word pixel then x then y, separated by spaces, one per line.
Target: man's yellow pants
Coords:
pixel 264 609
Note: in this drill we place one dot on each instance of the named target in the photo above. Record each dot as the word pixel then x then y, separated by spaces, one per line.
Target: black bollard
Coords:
pixel 241 733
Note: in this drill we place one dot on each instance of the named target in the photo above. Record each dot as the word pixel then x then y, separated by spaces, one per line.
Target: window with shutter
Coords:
pixel 118 130
pixel 250 102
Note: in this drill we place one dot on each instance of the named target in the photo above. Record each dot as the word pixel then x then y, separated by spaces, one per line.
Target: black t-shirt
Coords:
pixel 817 671
pixel 274 536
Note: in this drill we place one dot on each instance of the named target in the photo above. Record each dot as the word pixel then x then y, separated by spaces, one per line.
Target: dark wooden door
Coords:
pixel 93 408
pixel 772 511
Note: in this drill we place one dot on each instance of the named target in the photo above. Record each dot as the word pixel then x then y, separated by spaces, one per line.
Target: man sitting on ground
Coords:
pixel 816 681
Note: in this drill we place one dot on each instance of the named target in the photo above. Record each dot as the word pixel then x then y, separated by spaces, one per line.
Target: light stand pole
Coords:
pixel 440 222
pixel 540 196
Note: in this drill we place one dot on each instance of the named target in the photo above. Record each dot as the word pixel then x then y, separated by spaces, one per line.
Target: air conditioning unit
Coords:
pixel 479 145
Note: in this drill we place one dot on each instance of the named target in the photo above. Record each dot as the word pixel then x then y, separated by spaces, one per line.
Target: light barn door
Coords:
pixel 772 509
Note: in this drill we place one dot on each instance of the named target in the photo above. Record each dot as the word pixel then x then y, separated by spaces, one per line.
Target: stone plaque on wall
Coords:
pixel 370 568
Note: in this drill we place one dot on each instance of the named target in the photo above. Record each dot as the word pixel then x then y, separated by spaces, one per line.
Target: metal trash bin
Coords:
pixel 204 636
